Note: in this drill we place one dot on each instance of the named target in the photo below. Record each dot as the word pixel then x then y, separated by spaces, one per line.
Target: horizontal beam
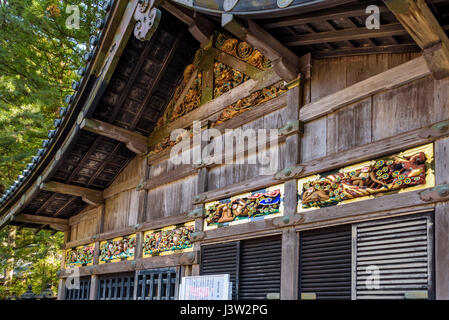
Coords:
pixel 135 142
pixel 89 196
pixel 208 110
pixel 150 225
pixel 338 160
pixel 370 151
pixel 165 178
pixel 55 223
pixel 130 265
pixel 324 15
pixel 416 17
pixel 412 70
pixel 393 29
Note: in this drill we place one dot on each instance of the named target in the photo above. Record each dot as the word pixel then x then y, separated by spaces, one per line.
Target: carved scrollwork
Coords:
pixel 147 17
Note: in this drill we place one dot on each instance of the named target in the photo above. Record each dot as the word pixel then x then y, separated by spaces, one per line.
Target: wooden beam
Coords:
pixel 200 27
pixel 284 61
pixel 442 251
pixel 89 196
pixel 55 223
pixel 416 17
pixel 372 151
pixel 320 16
pixel 134 141
pixel 216 106
pixel 397 76
pixel 344 35
pixel 290 264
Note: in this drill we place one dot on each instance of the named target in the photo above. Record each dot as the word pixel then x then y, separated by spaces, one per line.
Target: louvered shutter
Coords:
pixel 325 263
pixel 222 259
pixel 401 249
pixel 260 268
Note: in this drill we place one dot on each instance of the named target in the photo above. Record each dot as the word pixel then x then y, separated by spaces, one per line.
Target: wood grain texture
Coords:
pixel 290 264
pixel 402 74
pixel 442 251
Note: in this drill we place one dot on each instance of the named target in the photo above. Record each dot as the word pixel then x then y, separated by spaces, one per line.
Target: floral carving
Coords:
pixel 390 174
pixel 79 256
pixel 168 240
pixel 226 78
pixel 117 249
pixel 241 50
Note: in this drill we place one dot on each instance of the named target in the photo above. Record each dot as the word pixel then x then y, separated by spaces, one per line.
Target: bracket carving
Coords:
pixel 148 18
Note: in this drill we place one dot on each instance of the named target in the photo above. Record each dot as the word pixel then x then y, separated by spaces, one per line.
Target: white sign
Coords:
pixel 215 287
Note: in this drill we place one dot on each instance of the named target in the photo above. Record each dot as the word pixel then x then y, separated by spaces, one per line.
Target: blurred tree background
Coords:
pixel 39 56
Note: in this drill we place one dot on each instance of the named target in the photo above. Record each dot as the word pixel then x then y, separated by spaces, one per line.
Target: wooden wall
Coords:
pixel 379 116
pixel 85 224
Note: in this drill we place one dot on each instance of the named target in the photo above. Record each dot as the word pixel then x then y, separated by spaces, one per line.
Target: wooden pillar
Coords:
pixel 441 226
pixel 94 278
pixel 290 264
pixel 143 195
pixel 61 289
pixel 94 281
pixel 194 270
pixel 290 238
pixel 61 283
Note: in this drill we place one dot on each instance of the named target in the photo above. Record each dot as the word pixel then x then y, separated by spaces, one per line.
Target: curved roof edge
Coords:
pixel 104 49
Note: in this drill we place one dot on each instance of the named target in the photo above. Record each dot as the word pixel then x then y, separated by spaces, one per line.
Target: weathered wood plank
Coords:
pixel 442 251
pixel 416 17
pixel 290 264
pixel 400 75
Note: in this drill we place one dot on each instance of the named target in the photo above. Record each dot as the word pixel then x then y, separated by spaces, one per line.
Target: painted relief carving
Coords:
pixel 188 95
pixel 191 100
pixel 117 249
pixel 409 170
pixel 169 240
pixel 226 78
pixel 147 17
pixel 241 50
pixel 79 256
pixel 257 205
pixel 249 103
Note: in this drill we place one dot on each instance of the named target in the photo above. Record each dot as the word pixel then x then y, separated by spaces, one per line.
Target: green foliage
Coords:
pixel 34 258
pixel 39 56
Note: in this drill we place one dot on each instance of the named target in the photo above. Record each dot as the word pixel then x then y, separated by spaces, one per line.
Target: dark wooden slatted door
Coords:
pixel 81 293
pixel 401 249
pixel 157 284
pixel 260 268
pixel 116 287
pixel 222 259
pixel 325 263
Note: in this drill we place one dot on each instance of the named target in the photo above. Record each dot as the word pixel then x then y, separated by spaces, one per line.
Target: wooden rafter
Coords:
pixel 89 196
pixel 134 141
pixel 416 17
pixel 199 26
pixel 55 223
